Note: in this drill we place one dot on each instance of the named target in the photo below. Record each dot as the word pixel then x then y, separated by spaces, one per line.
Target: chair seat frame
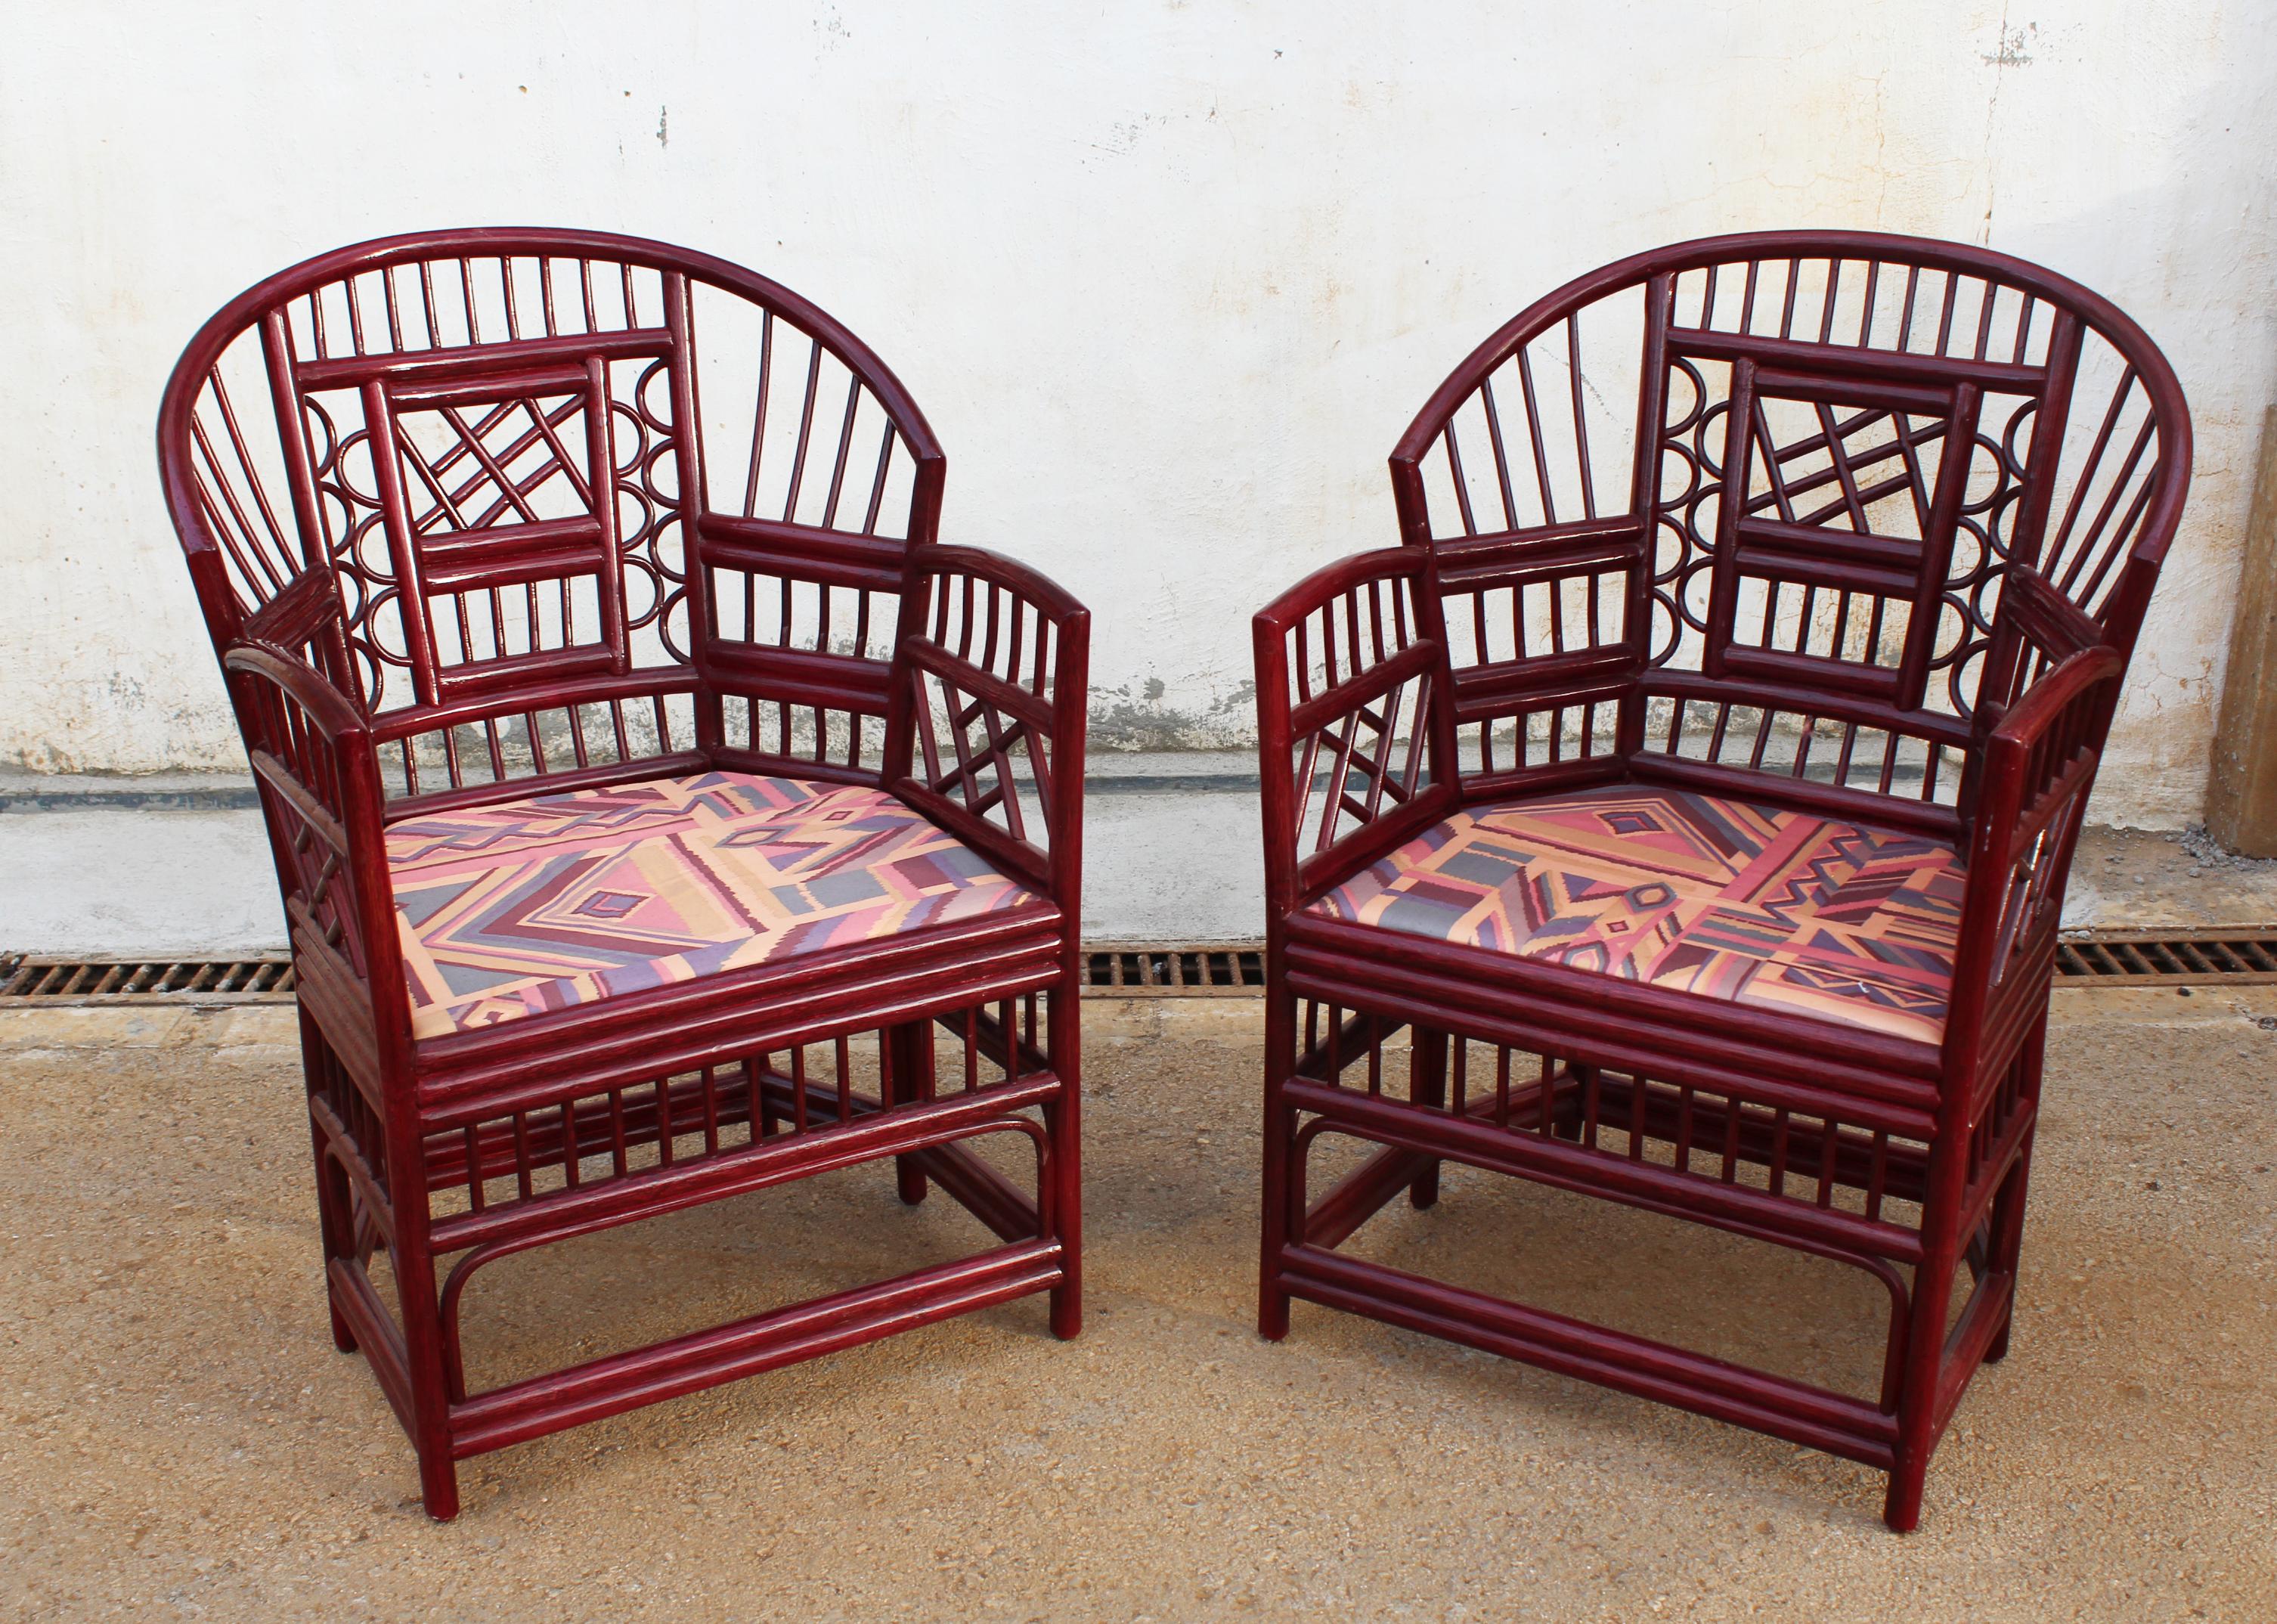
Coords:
pixel 1906 1159
pixel 440 1155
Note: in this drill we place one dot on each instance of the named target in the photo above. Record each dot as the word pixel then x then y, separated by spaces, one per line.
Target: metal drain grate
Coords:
pixel 38 977
pixel 2237 956
pixel 2244 956
pixel 1173 970
pixel 1136 969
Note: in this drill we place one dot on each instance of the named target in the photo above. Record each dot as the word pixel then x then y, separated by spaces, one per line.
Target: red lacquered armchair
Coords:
pixel 654 800
pixel 1696 786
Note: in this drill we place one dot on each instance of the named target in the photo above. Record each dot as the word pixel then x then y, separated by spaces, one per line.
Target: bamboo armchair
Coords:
pixel 646 784
pixel 1696 785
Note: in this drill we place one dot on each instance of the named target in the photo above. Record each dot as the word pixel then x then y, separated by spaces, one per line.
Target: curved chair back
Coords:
pixel 498 499
pixel 1817 504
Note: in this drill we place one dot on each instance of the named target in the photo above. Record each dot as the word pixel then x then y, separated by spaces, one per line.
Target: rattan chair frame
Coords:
pixel 1394 688
pixel 390 597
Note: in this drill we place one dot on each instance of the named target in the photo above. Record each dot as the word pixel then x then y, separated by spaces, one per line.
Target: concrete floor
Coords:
pixel 177 1440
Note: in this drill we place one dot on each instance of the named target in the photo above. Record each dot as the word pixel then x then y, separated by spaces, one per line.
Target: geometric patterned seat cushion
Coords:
pixel 1754 904
pixel 538 905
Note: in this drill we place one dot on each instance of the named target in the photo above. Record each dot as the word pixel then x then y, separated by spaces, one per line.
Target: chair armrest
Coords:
pixel 310 749
pixel 1354 738
pixel 994 667
pixel 2040 761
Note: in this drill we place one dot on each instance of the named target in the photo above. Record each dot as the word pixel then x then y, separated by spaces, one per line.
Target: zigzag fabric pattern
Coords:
pixel 1750 903
pixel 514 910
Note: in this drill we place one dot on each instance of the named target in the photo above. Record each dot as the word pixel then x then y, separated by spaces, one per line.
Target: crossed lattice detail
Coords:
pixel 971 762
pixel 494 475
pixel 1372 767
pixel 1850 463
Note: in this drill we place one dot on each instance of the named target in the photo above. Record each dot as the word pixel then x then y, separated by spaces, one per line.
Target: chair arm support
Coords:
pixel 2043 750
pixel 1007 653
pixel 1348 685
pixel 2040 758
pixel 310 749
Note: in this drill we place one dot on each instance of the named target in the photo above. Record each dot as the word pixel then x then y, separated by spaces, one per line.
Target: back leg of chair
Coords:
pixel 1063 1128
pixel 908 1078
pixel 2005 1250
pixel 335 1209
pixel 1427 1086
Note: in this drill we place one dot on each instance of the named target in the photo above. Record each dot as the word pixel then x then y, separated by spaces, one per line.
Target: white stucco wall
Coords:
pixel 1168 278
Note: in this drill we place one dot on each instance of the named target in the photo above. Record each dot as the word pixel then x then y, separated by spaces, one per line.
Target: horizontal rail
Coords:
pixel 621 1382
pixel 1792 1410
pixel 2000 376
pixel 486 360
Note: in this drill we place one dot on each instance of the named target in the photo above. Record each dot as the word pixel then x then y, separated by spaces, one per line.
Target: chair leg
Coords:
pixel 335 1216
pixel 1924 1362
pixel 336 1224
pixel 908 1078
pixel 1427 1087
pixel 2007 1246
pixel 1280 1132
pixel 418 1302
pixel 1064 1127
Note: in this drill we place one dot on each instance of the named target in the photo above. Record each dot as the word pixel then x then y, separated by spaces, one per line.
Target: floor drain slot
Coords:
pixel 2232 956
pixel 39 978
pixel 2241 955
pixel 1173 970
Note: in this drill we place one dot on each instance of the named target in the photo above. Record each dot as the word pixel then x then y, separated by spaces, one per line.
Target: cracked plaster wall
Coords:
pixel 1168 278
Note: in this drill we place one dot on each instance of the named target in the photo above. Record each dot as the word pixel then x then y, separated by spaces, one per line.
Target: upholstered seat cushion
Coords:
pixel 1729 899
pixel 556 900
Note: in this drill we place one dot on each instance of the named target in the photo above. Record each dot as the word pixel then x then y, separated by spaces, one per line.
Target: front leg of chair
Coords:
pixel 1924 1363
pixel 1279 1133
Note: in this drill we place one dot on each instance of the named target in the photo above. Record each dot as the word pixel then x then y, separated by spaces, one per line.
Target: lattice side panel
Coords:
pixel 997 767
pixel 2057 771
pixel 1370 755
pixel 305 793
pixel 1358 767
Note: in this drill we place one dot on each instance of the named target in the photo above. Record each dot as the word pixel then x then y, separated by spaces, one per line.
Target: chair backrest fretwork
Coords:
pixel 1777 495
pixel 494 443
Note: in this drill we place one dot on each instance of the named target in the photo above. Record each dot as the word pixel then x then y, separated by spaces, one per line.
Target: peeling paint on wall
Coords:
pixel 1121 721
